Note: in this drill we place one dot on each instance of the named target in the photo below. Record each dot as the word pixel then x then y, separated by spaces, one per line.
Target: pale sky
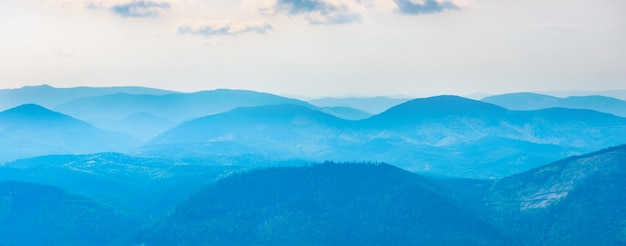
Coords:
pixel 317 47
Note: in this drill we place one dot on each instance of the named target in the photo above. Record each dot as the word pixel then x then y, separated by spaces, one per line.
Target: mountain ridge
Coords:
pixel 31 130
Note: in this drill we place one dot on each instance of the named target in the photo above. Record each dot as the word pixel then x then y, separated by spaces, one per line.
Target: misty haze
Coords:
pixel 314 122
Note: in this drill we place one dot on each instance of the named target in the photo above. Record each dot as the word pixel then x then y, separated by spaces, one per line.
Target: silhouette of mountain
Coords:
pixel 31 130
pixel 619 94
pixel 575 201
pixel 532 101
pixel 177 107
pixel 33 214
pixel 439 108
pixel 372 105
pixel 445 135
pixel 280 131
pixel 327 204
pixel 50 97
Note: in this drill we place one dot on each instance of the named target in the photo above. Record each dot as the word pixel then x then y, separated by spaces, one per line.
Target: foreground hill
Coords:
pixel 31 130
pixel 144 187
pixel 32 214
pixel 444 135
pixel 575 201
pixel 51 97
pixel 533 101
pixel 329 204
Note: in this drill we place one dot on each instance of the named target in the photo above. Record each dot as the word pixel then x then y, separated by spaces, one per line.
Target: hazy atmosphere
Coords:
pixel 312 122
pixel 317 47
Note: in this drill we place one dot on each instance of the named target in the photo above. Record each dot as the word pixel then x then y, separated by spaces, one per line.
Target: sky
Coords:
pixel 317 47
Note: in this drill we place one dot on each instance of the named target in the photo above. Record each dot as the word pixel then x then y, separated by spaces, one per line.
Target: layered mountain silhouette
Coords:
pixel 51 97
pixel 33 214
pixel 129 113
pixel 533 101
pixel 31 130
pixel 329 204
pixel 175 107
pixel 444 135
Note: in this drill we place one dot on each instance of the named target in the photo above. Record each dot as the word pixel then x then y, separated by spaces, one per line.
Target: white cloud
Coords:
pixel 223 27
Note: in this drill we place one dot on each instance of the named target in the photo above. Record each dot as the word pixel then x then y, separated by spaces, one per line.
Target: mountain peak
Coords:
pixel 440 107
pixel 33 110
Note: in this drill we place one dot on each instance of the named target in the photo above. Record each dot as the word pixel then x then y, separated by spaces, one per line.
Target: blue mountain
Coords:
pixel 327 204
pixel 533 101
pixel 281 131
pixel 51 97
pixel 31 130
pixel 176 107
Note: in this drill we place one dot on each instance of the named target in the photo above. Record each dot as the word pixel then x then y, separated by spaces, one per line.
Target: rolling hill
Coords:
pixel 144 187
pixel 31 130
pixel 33 214
pixel 328 204
pixel 279 131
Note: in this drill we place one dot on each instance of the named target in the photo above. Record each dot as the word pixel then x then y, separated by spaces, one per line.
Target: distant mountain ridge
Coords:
pixel 113 112
pixel 446 135
pixel 51 97
pixel 31 130
pixel 533 101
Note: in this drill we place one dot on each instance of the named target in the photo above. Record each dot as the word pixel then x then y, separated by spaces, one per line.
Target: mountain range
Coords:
pixel 128 112
pixel 141 166
pixel 50 97
pixel 533 101
pixel 445 135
